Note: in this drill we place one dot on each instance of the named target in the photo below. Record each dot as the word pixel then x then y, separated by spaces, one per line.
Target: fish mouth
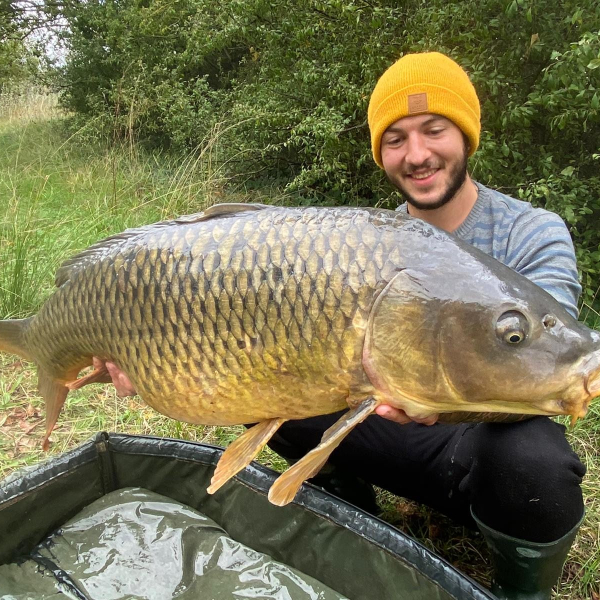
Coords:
pixel 591 387
pixel 579 412
pixel 591 384
pixel 591 373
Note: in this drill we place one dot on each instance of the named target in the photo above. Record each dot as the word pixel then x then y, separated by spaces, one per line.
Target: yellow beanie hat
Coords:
pixel 424 83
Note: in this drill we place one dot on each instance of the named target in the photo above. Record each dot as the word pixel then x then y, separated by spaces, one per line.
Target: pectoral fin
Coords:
pixel 287 485
pixel 243 451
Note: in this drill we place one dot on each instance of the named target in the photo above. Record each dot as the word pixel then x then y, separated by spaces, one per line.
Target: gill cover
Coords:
pixel 401 349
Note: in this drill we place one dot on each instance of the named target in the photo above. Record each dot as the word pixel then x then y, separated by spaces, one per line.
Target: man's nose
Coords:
pixel 417 151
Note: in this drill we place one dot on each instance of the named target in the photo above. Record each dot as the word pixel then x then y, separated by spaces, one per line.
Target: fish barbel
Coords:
pixel 256 314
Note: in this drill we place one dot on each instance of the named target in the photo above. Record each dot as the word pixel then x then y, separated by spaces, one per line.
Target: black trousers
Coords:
pixel 522 479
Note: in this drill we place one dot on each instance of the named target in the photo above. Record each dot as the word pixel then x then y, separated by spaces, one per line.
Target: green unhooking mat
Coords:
pixel 128 518
pixel 133 543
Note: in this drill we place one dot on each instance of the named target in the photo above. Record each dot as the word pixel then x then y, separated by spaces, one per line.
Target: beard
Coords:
pixel 458 176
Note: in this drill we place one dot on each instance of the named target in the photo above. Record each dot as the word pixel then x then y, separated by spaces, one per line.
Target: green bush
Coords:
pixel 275 93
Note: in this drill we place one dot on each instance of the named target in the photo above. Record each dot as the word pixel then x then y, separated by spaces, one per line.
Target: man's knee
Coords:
pixel 525 479
pixel 535 449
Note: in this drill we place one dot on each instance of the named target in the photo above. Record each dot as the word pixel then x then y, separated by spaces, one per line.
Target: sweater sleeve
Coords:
pixel 541 249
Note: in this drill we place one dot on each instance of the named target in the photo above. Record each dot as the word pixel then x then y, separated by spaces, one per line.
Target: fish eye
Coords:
pixel 512 327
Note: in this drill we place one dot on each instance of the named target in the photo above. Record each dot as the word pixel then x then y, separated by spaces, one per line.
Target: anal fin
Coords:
pixel 243 451
pixel 54 393
pixel 287 485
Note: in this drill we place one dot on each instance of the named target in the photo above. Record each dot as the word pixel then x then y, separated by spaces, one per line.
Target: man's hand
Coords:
pixel 121 382
pixel 399 416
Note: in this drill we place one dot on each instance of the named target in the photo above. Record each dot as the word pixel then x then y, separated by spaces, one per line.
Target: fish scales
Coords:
pixel 272 306
pixel 247 313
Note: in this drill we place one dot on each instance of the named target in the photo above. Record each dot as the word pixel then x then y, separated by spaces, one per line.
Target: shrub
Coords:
pixel 278 90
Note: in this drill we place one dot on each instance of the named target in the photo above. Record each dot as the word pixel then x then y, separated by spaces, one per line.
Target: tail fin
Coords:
pixel 54 393
pixel 11 337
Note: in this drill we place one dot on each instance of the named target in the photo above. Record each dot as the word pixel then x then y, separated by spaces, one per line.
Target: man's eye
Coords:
pixel 435 131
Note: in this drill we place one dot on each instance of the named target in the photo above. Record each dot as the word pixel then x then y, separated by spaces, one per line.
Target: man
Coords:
pixel 519 483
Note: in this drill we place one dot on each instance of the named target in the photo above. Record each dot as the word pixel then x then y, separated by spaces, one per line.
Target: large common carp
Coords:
pixel 257 314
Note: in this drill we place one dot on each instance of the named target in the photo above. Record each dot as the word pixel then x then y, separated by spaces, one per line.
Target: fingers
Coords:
pixel 120 380
pixel 430 420
pixel 399 416
pixel 393 414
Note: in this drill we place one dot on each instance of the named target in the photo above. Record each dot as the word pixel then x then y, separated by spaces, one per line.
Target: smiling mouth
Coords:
pixel 422 174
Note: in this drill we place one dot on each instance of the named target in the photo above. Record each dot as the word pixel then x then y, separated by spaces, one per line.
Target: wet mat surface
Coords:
pixel 135 544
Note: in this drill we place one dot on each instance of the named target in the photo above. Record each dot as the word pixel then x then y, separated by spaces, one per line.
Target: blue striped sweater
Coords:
pixel 534 242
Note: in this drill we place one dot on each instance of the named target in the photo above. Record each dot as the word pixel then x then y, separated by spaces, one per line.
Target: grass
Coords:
pixel 58 194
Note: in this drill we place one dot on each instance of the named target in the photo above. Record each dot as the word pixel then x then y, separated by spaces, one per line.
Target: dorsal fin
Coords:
pixel 94 252
pixel 220 210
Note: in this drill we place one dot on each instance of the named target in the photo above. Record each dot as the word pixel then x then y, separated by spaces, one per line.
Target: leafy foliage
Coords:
pixel 277 91
pixel 18 61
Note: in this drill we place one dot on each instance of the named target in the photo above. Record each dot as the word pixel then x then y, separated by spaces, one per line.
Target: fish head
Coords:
pixel 472 335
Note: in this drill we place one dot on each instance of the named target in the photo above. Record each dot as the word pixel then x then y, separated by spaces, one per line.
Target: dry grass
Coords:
pixel 24 103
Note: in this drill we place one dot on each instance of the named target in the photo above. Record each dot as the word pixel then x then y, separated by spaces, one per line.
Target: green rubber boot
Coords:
pixel 525 570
